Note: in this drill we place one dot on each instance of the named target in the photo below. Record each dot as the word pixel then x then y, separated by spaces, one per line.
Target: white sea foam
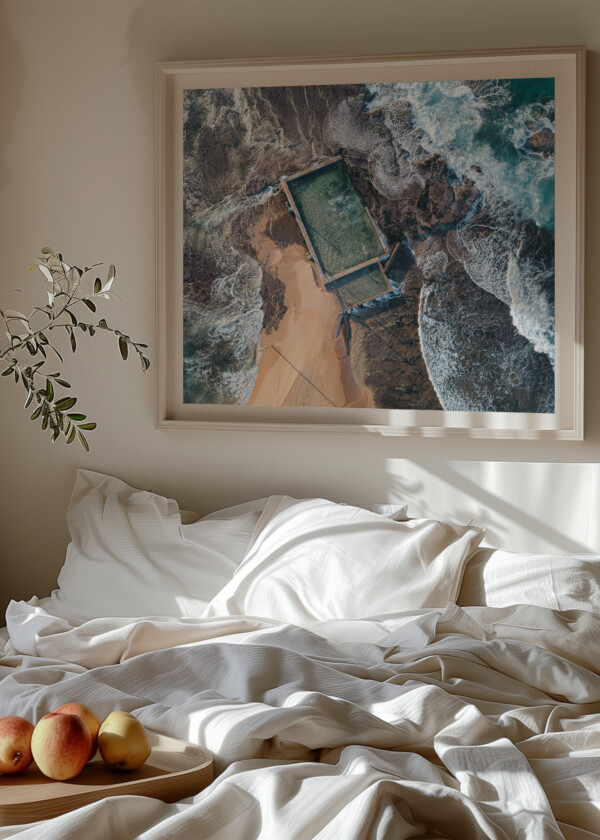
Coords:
pixel 475 363
pixel 213 217
pixel 485 256
pixel 390 168
pixel 240 383
pixel 451 117
pixel 433 266
pixel 234 320
pixel 447 112
pixel 240 286
pixel 532 311
pixel 530 119
pixel 235 316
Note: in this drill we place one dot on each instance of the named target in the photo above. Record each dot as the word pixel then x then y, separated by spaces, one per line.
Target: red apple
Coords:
pixel 61 745
pixel 15 744
pixel 88 717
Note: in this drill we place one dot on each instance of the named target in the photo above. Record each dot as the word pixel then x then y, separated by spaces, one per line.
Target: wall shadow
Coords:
pixel 524 506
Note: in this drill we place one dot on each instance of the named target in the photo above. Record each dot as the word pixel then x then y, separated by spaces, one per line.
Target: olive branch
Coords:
pixel 31 339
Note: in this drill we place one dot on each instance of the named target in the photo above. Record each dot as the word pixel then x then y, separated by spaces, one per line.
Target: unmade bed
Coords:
pixel 356 674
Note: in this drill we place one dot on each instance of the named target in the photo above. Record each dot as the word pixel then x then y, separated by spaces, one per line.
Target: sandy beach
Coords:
pixel 304 361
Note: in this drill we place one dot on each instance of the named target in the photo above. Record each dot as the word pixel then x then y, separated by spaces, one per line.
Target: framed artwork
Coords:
pixel 387 245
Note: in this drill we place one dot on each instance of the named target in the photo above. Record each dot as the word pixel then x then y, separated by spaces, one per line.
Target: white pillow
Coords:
pixel 130 554
pixel 314 560
pixel 498 578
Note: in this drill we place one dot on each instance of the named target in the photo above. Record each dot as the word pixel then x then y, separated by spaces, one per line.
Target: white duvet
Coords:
pixel 458 723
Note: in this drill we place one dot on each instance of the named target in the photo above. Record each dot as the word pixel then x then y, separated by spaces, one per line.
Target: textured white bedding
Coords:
pixel 464 722
pixel 309 646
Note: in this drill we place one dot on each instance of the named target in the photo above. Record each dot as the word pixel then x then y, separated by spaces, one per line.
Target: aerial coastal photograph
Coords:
pixel 384 245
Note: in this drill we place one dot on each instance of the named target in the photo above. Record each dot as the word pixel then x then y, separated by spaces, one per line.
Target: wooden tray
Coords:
pixel 174 770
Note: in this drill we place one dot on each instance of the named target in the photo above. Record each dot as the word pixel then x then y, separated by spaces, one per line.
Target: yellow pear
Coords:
pixel 122 741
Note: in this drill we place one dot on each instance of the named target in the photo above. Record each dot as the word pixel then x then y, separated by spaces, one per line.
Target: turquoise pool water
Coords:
pixel 336 220
pixel 362 285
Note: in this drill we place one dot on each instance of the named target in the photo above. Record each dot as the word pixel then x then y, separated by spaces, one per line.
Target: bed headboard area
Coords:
pixel 529 507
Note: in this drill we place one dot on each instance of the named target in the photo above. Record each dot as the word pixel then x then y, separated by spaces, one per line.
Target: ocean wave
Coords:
pixel 485 249
pixel 221 340
pixel 433 266
pixel 388 152
pixel 475 360
pixel 516 265
pixel 227 330
pixel 213 218
pixel 477 138
pixel 528 120
pixel 449 113
pixel 532 307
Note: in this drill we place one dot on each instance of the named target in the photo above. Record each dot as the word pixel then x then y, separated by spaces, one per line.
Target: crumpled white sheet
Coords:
pixel 470 723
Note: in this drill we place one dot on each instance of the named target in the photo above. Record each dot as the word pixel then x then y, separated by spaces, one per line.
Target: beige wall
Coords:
pixel 77 172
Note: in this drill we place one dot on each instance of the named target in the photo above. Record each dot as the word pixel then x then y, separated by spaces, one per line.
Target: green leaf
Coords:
pixel 73 276
pixel 13 315
pixel 46 272
pixel 112 271
pixel 57 353
pixel 66 403
pixel 63 281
